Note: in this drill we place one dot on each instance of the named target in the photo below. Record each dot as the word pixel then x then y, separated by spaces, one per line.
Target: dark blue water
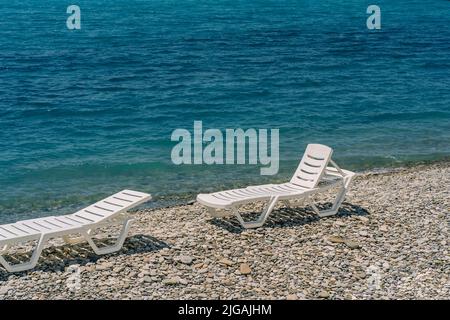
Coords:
pixel 87 112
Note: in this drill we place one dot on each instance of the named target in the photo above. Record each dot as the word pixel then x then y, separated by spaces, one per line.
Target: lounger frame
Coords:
pixel 342 180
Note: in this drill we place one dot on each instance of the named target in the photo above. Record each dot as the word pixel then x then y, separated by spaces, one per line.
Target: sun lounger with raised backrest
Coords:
pixel 316 173
pixel 109 211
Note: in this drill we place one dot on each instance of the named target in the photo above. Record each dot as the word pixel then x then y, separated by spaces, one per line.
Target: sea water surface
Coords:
pixel 85 113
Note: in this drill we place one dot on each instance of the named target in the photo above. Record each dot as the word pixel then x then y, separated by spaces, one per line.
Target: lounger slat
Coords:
pixel 49 224
pixel 262 190
pixel 220 197
pixel 267 190
pixel 134 194
pixel 277 189
pixel 316 156
pixel 8 231
pixel 293 187
pixel 67 222
pixel 16 230
pixel 304 186
pixel 107 208
pixel 307 177
pixel 312 166
pixel 312 163
pixel 24 228
pixel 21 229
pixel 120 200
pixel 251 191
pixel 113 203
pixel 227 195
pixel 75 220
pixel 235 193
pixel 41 225
pixel 117 201
pixel 54 223
pixel 239 195
pixel 211 198
pixel 84 217
pixel 126 198
pixel 231 195
pixel 28 226
pixel 246 192
pixel 88 215
pixel 309 171
pixel 290 188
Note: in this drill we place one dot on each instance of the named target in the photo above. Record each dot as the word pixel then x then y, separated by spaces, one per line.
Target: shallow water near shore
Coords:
pixel 87 113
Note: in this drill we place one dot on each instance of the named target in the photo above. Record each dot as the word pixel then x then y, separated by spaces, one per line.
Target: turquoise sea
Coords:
pixel 85 113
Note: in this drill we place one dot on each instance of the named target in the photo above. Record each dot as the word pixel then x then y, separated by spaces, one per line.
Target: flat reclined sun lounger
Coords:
pixel 312 176
pixel 109 211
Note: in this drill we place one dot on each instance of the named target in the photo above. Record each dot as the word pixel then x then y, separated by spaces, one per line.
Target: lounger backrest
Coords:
pixel 313 165
pixel 110 207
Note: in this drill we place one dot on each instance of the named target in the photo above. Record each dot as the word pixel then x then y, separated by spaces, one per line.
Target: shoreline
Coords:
pixel 388 241
pixel 60 206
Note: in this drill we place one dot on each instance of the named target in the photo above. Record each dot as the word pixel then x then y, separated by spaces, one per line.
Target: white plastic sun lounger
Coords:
pixel 313 176
pixel 109 211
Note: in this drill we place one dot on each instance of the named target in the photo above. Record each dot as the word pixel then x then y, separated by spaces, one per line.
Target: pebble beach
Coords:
pixel 390 240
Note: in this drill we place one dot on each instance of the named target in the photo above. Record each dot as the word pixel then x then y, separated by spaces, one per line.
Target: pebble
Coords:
pixel 118 269
pixel 104 266
pixel 171 281
pixel 4 290
pixel 363 219
pixel 226 262
pixel 186 259
pixel 336 239
pixel 245 269
pixel 352 244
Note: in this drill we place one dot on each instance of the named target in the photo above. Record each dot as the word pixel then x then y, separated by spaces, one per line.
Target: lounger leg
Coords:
pixel 113 248
pixel 337 202
pixel 4 249
pixel 261 219
pixel 26 265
